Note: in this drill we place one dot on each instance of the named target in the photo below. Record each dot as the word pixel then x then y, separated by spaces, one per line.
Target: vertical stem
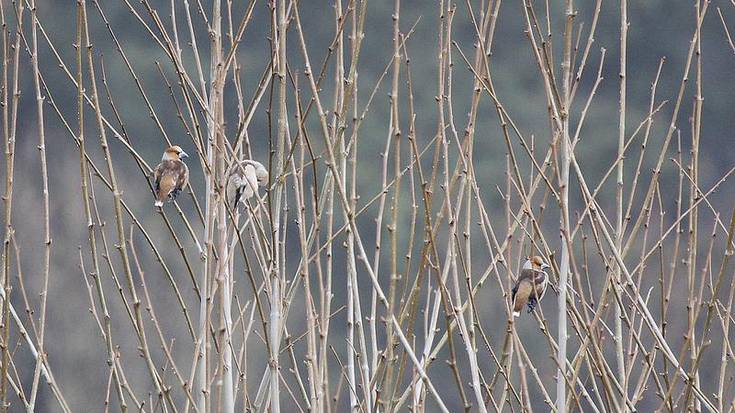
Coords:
pixel 694 197
pixel 223 275
pixel 44 183
pixel 9 146
pixel 275 280
pixel 620 355
pixel 361 350
pixel 338 129
pixel 201 384
pixel 394 136
pixel 202 380
pixel 564 195
pixel 353 298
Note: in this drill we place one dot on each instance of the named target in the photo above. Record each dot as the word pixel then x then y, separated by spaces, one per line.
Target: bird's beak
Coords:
pixel 545 265
pixel 183 155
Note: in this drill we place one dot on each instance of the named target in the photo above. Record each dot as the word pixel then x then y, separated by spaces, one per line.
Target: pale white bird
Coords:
pixel 244 180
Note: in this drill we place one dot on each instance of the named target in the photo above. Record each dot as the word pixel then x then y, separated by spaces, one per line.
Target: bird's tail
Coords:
pixel 160 198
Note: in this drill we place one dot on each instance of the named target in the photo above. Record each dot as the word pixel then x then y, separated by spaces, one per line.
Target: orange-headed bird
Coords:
pixel 531 285
pixel 171 175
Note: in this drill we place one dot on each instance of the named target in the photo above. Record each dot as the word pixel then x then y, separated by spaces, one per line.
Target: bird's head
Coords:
pixel 536 263
pixel 261 173
pixel 173 153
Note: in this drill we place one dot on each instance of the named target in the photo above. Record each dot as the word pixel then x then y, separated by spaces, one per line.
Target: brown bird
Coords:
pixel 171 175
pixel 531 285
pixel 244 180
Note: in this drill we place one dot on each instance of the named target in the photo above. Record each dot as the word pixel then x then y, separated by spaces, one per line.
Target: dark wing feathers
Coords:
pixel 182 174
pixel 541 284
pixel 238 194
pixel 157 177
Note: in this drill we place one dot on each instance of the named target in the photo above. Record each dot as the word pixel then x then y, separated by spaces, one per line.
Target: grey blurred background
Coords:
pixel 658 29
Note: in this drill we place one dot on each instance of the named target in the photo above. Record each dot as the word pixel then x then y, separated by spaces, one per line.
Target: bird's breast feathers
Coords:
pixel 171 174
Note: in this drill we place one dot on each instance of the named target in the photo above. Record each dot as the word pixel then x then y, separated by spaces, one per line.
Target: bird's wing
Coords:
pixel 251 179
pixel 542 282
pixel 535 278
pixel 182 175
pixel 248 182
pixel 522 292
pixel 157 176
pixel 527 274
pixel 233 188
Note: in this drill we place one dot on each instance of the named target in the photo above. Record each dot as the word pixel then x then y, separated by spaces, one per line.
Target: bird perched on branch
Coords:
pixel 171 175
pixel 530 285
pixel 244 179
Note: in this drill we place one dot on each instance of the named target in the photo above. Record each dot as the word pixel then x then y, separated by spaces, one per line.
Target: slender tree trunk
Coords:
pixel 565 227
pixel 620 355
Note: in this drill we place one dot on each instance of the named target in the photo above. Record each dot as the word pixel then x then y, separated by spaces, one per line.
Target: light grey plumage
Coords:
pixel 244 181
